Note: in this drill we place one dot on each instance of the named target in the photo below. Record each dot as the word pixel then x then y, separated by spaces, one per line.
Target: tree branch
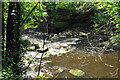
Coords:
pixel 29 14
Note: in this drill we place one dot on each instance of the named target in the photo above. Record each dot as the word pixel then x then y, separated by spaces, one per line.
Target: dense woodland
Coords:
pixel 85 19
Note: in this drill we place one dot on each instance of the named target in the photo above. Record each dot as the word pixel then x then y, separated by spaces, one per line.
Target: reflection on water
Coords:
pixel 94 65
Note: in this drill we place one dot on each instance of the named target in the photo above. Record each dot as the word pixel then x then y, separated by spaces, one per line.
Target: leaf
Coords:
pixel 77 72
pixel 45 14
pixel 36 26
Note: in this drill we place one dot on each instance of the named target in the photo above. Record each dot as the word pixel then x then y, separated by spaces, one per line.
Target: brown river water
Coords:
pixel 95 65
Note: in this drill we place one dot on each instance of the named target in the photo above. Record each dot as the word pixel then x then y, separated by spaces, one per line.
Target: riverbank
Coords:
pixel 84 41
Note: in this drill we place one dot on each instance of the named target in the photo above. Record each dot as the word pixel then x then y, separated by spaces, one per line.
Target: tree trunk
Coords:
pixel 18 28
pixel 3 34
pixel 10 36
pixel 13 35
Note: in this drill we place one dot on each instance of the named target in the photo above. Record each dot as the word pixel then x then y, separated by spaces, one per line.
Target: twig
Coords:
pixel 82 33
pixel 30 63
pixel 89 42
pixel 43 40
pixel 33 59
pixel 40 64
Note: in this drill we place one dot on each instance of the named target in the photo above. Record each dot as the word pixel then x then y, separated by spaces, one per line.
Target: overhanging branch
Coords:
pixel 28 14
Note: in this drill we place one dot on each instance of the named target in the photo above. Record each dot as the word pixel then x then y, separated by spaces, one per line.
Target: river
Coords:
pixel 62 57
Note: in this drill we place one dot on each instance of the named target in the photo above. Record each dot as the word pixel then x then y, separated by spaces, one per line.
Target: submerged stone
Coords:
pixel 77 72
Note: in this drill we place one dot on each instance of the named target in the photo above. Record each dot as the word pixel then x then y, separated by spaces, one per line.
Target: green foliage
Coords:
pixel 110 9
pixel 108 16
pixel 34 20
pixel 59 14
pixel 69 14
pixel 9 64
pixel 65 5
pixel 60 24
pixel 8 71
pixel 25 43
